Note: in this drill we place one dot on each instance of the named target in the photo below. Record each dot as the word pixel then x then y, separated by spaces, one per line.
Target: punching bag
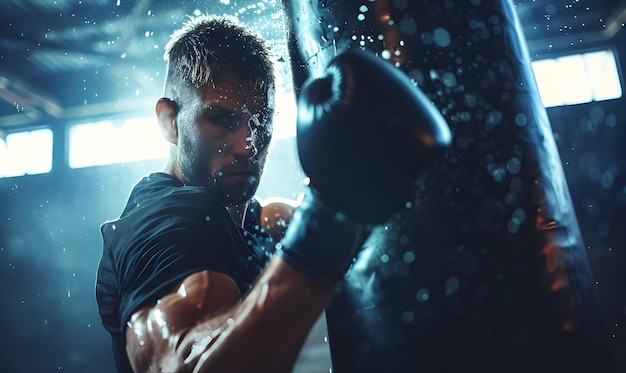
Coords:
pixel 485 270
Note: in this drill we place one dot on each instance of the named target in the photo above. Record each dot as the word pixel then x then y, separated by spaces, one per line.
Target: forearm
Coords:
pixel 264 332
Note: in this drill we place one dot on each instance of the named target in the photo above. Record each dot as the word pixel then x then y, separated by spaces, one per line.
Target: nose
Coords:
pixel 251 142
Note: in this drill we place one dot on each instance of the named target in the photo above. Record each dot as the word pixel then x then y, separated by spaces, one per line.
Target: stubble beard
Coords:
pixel 196 170
pixel 232 194
pixel 229 194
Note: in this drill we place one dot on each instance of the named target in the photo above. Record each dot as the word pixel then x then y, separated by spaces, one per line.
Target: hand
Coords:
pixel 365 132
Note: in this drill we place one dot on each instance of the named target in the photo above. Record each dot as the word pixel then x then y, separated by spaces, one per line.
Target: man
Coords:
pixel 187 280
pixel 220 136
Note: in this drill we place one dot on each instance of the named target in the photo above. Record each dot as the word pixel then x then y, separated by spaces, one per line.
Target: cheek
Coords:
pixel 210 149
pixel 262 156
pixel 264 139
pixel 206 143
pixel 197 151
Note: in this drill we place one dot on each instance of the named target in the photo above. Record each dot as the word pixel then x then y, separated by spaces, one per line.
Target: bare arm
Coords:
pixel 202 325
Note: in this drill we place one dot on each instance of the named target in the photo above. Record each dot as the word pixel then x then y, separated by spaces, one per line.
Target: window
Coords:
pixel 566 80
pixel 26 153
pixel 128 140
pixel 578 78
pixel 107 142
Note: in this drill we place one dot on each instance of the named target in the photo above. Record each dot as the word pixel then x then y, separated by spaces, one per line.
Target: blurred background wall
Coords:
pixel 67 63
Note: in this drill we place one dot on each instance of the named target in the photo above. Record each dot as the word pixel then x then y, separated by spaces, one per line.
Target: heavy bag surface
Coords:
pixel 485 270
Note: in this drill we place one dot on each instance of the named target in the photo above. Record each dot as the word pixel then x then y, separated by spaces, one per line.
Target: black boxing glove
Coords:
pixel 364 133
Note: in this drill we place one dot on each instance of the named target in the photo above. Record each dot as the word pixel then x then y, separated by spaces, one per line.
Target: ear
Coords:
pixel 166 111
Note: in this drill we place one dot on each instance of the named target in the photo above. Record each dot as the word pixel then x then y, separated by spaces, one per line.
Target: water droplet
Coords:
pixel 408 257
pixel 452 285
pixel 422 295
pixel 406 317
pixel 408 26
pixel 441 37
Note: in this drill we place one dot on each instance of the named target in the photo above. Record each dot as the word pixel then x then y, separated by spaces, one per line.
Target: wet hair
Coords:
pixel 207 47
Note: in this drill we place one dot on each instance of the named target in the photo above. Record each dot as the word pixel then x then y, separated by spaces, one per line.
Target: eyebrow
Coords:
pixel 208 108
pixel 219 109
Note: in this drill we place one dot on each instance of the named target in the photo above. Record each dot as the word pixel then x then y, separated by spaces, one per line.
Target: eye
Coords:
pixel 224 120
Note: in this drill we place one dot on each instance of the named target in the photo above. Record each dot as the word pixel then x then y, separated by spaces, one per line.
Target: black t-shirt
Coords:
pixel 167 232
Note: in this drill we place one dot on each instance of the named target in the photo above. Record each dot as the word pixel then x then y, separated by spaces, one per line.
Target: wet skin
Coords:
pixel 220 140
pixel 221 133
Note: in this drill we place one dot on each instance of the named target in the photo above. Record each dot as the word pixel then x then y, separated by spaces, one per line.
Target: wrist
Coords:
pixel 321 241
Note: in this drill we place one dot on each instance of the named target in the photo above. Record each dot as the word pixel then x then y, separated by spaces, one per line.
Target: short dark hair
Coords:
pixel 207 47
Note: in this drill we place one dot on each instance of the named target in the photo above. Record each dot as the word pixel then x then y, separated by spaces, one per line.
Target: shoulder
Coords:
pixel 160 190
pixel 160 201
pixel 169 233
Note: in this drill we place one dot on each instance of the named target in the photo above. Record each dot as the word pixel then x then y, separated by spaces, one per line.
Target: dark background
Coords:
pixel 68 61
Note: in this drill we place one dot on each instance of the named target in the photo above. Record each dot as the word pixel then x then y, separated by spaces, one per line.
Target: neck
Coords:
pixel 238 213
pixel 172 169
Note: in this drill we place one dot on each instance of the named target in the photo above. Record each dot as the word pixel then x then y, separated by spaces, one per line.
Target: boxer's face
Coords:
pixel 223 135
